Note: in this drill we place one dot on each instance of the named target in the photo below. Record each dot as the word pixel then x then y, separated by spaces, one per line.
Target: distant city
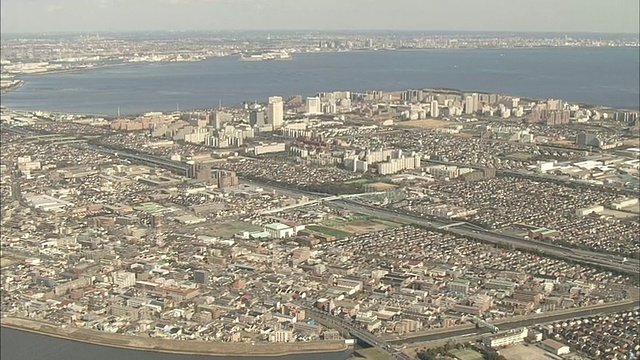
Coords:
pixel 33 54
pixel 411 224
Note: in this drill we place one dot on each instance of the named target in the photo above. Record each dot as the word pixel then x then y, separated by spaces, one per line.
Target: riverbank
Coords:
pixel 169 346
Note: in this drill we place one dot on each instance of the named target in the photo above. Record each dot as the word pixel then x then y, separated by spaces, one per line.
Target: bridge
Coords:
pixel 482 323
pixel 462 224
pixel 443 227
pixel 175 166
pixel 360 334
pixel 317 201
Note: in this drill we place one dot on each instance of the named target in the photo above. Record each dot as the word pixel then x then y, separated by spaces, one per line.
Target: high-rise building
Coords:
pixel 476 102
pixel 218 118
pixel 434 109
pixel 124 279
pixel 201 277
pixel 468 105
pixel 225 179
pixel 275 112
pixel 313 105
pixel 587 139
pixel 203 172
pixel 256 118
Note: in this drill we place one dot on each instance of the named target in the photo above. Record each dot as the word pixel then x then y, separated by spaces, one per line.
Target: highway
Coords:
pixel 545 177
pixel 508 324
pixel 359 333
pixel 607 261
pixel 388 344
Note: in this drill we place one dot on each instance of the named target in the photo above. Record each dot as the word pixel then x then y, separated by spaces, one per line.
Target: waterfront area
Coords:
pixel 335 180
pixel 309 223
pixel 137 88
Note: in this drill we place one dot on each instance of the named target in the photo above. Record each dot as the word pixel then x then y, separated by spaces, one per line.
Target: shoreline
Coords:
pixel 313 53
pixel 172 346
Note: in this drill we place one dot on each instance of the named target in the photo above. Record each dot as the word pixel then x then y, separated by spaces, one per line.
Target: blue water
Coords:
pixel 599 76
pixel 19 345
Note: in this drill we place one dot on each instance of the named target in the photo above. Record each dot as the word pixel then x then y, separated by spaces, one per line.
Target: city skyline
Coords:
pixel 571 16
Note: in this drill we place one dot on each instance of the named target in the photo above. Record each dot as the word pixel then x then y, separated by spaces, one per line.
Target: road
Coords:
pixel 516 323
pixel 607 261
pixel 359 333
pixel 545 177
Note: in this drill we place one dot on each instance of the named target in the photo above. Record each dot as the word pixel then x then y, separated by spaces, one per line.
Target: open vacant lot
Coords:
pixel 425 124
pixel 522 352
pixel 466 354
pixel 8 259
pixel 329 231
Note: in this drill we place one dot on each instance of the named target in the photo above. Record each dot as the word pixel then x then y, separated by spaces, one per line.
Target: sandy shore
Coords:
pixel 172 346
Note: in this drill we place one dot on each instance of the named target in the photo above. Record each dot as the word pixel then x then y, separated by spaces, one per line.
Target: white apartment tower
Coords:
pixel 476 103
pixel 313 105
pixel 434 109
pixel 275 111
pixel 468 105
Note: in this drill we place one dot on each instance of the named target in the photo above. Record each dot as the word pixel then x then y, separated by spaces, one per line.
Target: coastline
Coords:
pixel 170 346
pixel 103 111
pixel 13 87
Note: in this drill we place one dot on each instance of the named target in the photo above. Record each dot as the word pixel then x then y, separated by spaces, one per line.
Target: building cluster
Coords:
pixel 387 161
pixel 179 248
pixel 287 172
pixel 36 55
pixel 611 336
pixel 577 215
pixel 441 280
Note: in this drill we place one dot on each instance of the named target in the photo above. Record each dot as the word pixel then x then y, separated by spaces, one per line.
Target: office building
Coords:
pixel 587 139
pixel 313 105
pixel 257 118
pixel 225 179
pixel 123 279
pixel 218 118
pixel 203 172
pixel 201 277
pixel 275 112
pixel 459 287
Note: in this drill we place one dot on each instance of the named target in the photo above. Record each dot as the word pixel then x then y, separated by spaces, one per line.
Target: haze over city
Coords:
pixel 37 16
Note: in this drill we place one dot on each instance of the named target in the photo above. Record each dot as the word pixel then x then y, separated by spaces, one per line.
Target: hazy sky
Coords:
pixel 606 16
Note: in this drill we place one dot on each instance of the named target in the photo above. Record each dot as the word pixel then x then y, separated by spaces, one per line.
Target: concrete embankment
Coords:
pixel 172 346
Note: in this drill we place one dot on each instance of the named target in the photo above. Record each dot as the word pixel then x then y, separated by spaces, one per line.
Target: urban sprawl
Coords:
pixel 399 219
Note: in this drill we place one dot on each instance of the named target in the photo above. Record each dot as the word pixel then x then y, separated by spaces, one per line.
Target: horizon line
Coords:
pixel 62 32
